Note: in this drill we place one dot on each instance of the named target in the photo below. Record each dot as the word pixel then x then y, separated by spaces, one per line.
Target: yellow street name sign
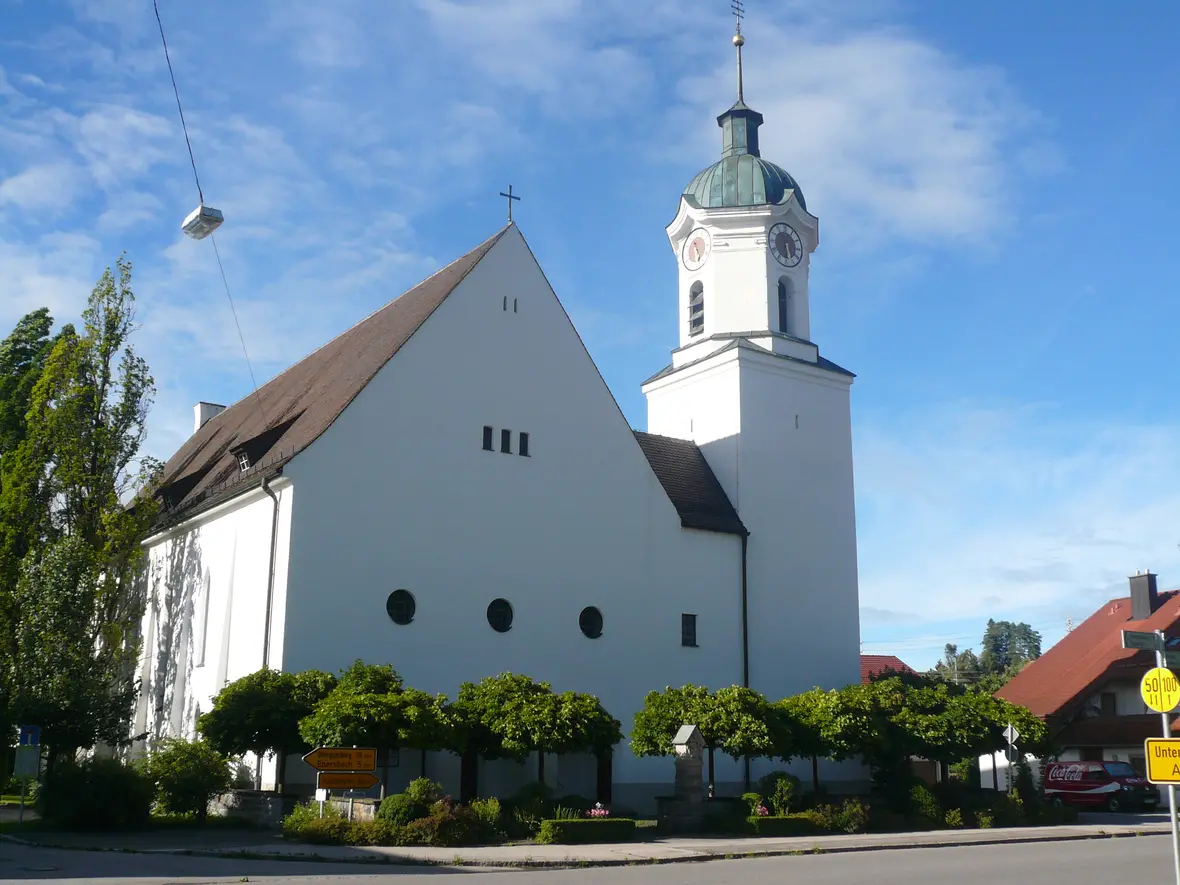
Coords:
pixel 346 780
pixel 1160 690
pixel 342 759
pixel 1163 760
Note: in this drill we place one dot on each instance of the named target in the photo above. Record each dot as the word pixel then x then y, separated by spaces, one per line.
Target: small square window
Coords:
pixel 524 444
pixel 506 441
pixel 688 630
pixel 487 439
pixel 243 460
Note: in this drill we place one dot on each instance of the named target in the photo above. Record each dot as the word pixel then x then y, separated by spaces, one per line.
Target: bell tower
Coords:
pixel 772 416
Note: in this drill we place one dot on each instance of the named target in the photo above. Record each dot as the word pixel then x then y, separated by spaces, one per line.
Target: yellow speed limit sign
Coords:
pixel 1160 690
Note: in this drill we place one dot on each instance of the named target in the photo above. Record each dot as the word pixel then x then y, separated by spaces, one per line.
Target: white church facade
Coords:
pixel 450 487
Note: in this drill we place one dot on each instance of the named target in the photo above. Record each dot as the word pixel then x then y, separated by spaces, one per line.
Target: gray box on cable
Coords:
pixel 202 221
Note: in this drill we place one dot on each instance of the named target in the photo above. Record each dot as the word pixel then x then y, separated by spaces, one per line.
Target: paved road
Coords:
pixel 1145 859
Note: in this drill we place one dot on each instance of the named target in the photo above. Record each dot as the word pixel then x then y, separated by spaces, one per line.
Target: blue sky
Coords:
pixel 995 186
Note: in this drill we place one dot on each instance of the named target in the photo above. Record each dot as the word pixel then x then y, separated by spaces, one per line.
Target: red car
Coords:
pixel 1110 785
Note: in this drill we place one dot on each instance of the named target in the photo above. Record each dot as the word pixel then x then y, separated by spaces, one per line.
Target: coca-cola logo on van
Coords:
pixel 1067 772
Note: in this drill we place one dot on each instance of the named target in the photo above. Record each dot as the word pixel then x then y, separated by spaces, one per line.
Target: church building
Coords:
pixel 450 487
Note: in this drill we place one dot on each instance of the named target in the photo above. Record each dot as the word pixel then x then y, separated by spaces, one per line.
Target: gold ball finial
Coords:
pixel 739 40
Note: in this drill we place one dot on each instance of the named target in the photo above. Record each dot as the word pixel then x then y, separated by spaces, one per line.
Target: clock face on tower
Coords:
pixel 785 245
pixel 696 249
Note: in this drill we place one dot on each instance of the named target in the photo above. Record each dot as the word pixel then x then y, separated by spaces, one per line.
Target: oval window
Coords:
pixel 400 607
pixel 590 620
pixel 500 615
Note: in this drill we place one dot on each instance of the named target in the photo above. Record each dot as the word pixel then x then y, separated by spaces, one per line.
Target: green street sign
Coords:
pixel 1139 639
pixel 1172 660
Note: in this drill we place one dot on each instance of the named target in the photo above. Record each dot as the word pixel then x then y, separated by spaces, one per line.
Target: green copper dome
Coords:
pixel 741 177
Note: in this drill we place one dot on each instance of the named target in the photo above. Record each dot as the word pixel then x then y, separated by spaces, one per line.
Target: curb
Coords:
pixel 575 862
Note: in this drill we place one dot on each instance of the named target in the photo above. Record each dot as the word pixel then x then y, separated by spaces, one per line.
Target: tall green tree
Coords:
pixel 63 490
pixel 737 721
pixel 22 359
pixel 1008 646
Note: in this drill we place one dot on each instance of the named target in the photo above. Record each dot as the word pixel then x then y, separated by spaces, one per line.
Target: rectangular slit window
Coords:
pixel 487 439
pixel 524 445
pixel 688 630
pixel 506 442
pixel 505 302
pixel 514 305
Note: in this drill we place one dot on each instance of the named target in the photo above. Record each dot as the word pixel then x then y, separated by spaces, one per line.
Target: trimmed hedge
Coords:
pixel 798 824
pixel 586 832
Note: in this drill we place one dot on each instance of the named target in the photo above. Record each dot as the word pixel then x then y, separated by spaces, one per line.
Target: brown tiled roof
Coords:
pixel 301 403
pixel 871 665
pixel 1110 731
pixel 690 483
pixel 1090 654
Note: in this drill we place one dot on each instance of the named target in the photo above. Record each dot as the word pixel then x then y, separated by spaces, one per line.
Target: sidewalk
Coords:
pixel 654 851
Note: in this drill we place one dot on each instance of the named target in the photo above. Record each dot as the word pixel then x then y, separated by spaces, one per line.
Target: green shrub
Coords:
pixel 563 813
pixel 447 825
pixel 753 802
pixel 954 818
pixel 803 823
pixel 852 817
pixel 781 790
pixel 580 803
pixel 187 775
pixel 984 820
pixel 587 831
pixel 96 794
pixel 424 791
pixel 373 832
pixel 487 811
pixel 924 806
pixel 1008 809
pixel 399 809
pixel 525 810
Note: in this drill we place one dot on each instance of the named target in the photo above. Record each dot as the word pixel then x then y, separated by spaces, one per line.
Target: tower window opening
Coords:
pixel 784 306
pixel 696 308
pixel 506 442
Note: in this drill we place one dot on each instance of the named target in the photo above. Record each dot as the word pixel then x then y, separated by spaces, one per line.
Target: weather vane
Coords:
pixel 739 12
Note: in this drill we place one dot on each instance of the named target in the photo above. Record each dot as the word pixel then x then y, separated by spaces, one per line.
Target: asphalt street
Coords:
pixel 1143 859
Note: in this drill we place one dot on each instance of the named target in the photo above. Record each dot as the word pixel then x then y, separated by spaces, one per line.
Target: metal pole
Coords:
pixel 24 785
pixel 1160 662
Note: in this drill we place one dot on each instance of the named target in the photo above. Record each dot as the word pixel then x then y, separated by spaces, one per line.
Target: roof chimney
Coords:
pixel 1144 595
pixel 202 412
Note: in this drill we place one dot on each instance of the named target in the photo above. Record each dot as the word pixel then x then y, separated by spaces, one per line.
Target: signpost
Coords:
pixel 346 780
pixel 344 768
pixel 1161 692
pixel 1163 760
pixel 27 765
pixel 1011 735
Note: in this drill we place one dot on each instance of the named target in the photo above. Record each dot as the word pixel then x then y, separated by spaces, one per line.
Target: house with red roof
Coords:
pixel 875 665
pixel 1086 687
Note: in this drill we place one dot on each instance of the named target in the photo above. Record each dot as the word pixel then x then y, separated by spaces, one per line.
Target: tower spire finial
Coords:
pixel 739 13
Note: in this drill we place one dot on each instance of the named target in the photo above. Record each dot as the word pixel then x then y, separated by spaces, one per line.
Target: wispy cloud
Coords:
pixel 1009 512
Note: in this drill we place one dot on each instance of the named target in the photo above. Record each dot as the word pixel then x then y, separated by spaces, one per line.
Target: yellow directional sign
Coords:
pixel 1160 690
pixel 1163 760
pixel 346 780
pixel 342 759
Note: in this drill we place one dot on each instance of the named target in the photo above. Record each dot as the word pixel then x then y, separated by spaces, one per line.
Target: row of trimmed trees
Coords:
pixel 505 716
pixel 886 722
